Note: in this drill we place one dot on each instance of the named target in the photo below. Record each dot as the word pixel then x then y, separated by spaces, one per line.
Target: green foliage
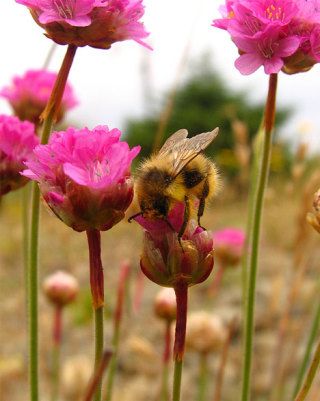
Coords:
pixel 203 102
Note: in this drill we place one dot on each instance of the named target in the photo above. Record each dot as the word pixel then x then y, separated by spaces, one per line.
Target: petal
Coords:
pixel 273 66
pixel 248 63
pixel 288 46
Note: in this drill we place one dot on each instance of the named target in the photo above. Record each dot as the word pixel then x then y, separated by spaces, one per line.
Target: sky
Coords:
pixel 114 85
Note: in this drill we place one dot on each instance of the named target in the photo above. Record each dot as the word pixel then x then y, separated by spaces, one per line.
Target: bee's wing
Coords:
pixel 173 140
pixel 186 150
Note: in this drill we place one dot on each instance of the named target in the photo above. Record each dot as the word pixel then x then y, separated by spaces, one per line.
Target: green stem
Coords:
pixel 254 238
pixel 49 117
pixel 33 294
pixel 56 347
pixel 113 363
pixel 181 290
pixel 312 336
pixel 97 291
pixel 164 393
pixel 98 315
pixel 203 376
pixel 310 375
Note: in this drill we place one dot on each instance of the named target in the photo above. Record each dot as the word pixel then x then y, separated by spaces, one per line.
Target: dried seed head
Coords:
pixel 205 332
pixel 313 218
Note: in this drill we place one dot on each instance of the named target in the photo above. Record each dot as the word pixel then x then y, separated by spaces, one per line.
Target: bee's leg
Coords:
pixel 205 193
pixel 185 218
pixel 134 216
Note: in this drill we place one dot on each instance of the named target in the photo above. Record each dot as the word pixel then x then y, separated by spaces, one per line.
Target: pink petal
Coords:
pixel 273 66
pixel 248 63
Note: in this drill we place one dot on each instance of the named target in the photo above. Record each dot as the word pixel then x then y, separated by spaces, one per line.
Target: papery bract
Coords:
pixel 96 23
pixel 28 94
pixel 168 262
pixel 276 34
pixel 84 176
pixel 17 141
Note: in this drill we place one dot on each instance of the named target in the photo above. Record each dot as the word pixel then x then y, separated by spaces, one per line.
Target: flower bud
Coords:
pixel 28 95
pixel 167 261
pixel 17 141
pixel 205 332
pixel 313 218
pixel 165 305
pixel 61 288
pixel 95 23
pixel 228 246
pixel 84 176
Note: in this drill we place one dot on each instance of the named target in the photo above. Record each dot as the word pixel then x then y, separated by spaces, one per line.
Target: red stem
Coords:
pixel 96 269
pixel 123 277
pixel 181 290
pixel 54 102
pixel 57 325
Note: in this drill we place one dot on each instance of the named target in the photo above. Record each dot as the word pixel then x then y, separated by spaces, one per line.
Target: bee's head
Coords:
pixel 156 207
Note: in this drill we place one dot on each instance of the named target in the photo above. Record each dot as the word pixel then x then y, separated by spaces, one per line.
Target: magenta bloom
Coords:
pixel 28 94
pixel 275 34
pixel 96 23
pixel 167 262
pixel 84 176
pixel 229 245
pixel 17 141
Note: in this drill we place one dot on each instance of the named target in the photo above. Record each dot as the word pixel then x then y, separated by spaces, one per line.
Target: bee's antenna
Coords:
pixel 134 216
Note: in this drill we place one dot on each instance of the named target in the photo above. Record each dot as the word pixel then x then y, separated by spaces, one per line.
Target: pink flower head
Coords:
pixel 17 141
pixel 96 23
pixel 229 245
pixel 84 176
pixel 165 260
pixel 28 94
pixel 275 34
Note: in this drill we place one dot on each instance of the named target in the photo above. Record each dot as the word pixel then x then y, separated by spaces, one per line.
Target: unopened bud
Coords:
pixel 165 305
pixel 205 332
pixel 61 288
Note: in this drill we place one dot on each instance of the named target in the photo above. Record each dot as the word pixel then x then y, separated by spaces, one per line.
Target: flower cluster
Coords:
pixel 275 34
pixel 61 288
pixel 84 176
pixel 167 261
pixel 28 94
pixel 96 23
pixel 17 141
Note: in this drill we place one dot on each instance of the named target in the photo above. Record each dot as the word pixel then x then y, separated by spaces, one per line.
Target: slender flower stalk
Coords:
pixel 123 279
pixel 60 289
pixel 56 349
pixel 302 394
pixel 165 308
pixel 203 376
pixel 181 290
pixel 254 238
pixel 164 393
pixel 98 374
pixel 312 336
pixel 97 290
pixel 49 118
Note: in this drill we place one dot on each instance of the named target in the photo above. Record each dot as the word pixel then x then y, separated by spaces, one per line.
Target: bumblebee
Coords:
pixel 179 172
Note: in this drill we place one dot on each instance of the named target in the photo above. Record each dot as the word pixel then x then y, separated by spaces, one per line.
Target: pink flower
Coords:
pixel 229 245
pixel 17 141
pixel 96 23
pixel 275 34
pixel 73 12
pixel 266 49
pixel 28 94
pixel 84 176
pixel 165 260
